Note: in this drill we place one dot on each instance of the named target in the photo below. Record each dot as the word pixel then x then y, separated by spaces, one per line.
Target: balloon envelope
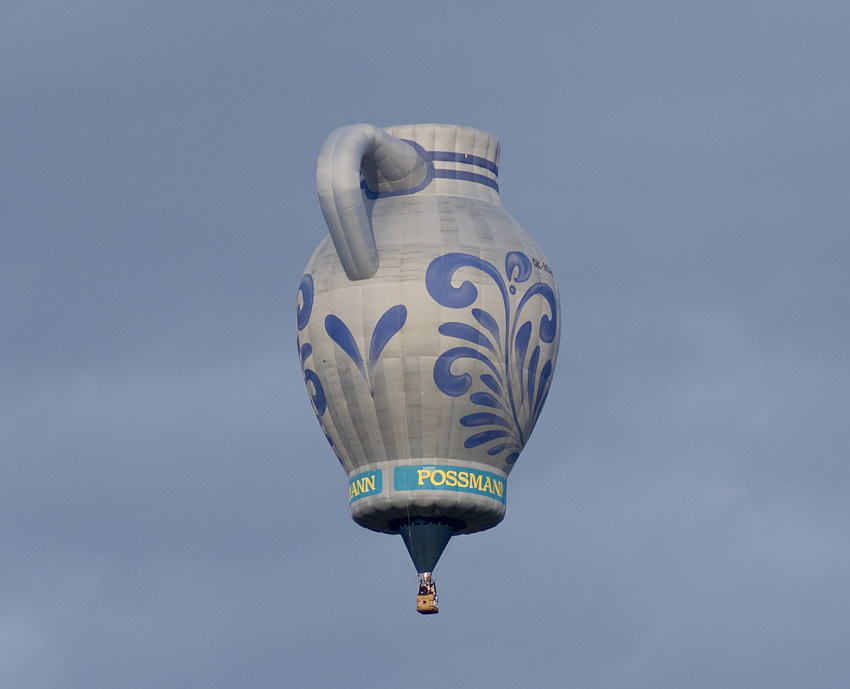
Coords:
pixel 428 375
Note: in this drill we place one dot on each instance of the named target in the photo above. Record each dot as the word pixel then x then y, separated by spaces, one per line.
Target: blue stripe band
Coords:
pixel 431 173
pixel 467 177
pixel 447 157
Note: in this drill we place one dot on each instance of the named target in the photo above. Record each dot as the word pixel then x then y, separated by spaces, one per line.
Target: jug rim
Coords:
pixel 462 161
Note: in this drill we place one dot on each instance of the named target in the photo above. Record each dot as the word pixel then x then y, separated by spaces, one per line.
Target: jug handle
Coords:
pixel 397 166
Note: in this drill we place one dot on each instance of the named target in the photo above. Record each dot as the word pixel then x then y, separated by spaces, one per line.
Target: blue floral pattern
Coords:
pixel 514 381
pixel 305 350
pixel 387 326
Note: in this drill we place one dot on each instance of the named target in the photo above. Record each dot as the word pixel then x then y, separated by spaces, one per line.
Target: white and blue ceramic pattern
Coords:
pixel 428 334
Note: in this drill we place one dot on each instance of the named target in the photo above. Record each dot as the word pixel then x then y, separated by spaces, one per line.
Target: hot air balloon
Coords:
pixel 428 329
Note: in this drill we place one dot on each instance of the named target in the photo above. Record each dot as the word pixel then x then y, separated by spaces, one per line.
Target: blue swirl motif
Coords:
pixel 305 350
pixel 387 326
pixel 515 381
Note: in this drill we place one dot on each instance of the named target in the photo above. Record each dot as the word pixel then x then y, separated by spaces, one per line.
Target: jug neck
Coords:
pixel 461 161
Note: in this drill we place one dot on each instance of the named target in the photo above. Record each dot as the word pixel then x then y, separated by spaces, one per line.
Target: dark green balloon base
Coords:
pixel 426 538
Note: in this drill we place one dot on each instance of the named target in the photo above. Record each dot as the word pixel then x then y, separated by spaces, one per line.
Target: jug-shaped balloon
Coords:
pixel 428 329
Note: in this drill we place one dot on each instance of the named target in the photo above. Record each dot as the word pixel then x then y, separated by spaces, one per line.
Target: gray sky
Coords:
pixel 170 514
